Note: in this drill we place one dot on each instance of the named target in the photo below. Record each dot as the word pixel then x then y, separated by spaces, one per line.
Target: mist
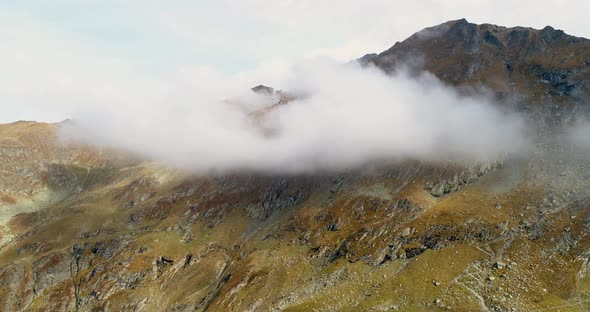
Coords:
pixel 577 135
pixel 343 116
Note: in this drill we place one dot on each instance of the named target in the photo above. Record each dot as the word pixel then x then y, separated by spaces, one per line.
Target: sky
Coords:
pixel 62 55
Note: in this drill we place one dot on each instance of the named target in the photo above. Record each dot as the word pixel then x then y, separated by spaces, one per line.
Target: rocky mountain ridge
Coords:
pixel 528 69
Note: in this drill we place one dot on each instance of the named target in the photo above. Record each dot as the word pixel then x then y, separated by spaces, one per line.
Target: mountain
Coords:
pixel 86 229
pixel 530 69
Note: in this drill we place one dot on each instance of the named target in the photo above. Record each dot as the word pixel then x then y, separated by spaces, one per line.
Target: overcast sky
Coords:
pixel 61 55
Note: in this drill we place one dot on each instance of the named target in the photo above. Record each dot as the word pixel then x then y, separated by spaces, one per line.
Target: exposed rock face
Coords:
pixel 536 70
pixel 276 197
pixel 87 231
pixel 263 90
pixel 469 175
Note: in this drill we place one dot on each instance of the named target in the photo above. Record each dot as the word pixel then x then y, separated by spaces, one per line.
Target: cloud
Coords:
pixel 379 23
pixel 64 56
pixel 47 73
pixel 177 111
pixel 345 117
pixel 577 135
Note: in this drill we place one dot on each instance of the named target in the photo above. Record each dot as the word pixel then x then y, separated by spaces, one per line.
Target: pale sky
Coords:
pixel 60 56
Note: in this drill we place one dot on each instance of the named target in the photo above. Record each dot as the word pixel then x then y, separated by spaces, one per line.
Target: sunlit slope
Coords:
pixel 84 229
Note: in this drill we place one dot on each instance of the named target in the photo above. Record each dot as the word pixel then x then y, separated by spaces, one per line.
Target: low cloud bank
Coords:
pixel 577 135
pixel 344 117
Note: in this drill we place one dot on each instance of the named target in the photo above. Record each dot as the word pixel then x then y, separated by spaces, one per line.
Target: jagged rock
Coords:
pixel 187 236
pixel 105 249
pixel 464 178
pixel 160 264
pixel 49 271
pixel 404 204
pixel 333 226
pixel 187 260
pixel 336 184
pixel 341 252
pixel 278 196
pixel 498 265
pixel 263 90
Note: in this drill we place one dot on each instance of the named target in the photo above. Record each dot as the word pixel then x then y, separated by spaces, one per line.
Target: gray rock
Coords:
pixel 262 89
pixel 498 265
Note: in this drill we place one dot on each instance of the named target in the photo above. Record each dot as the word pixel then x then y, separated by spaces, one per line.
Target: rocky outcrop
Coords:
pixel 465 177
pixel 263 90
pixel 278 196
pixel 527 69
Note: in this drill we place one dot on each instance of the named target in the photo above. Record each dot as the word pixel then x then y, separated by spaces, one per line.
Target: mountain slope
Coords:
pixel 534 69
pixel 90 230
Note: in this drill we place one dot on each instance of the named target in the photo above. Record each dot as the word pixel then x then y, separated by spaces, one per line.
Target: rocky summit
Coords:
pixel 88 229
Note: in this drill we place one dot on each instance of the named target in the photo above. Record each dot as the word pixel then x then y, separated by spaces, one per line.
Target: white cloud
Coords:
pixel 379 23
pixel 55 65
pixel 52 72
pixel 349 116
pixel 48 74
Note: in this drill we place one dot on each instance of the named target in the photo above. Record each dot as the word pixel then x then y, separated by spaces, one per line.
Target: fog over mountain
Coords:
pixel 343 116
pixel 448 172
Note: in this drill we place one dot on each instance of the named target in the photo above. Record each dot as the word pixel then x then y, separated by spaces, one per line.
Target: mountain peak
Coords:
pixel 459 23
pixel 537 66
pixel 262 89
